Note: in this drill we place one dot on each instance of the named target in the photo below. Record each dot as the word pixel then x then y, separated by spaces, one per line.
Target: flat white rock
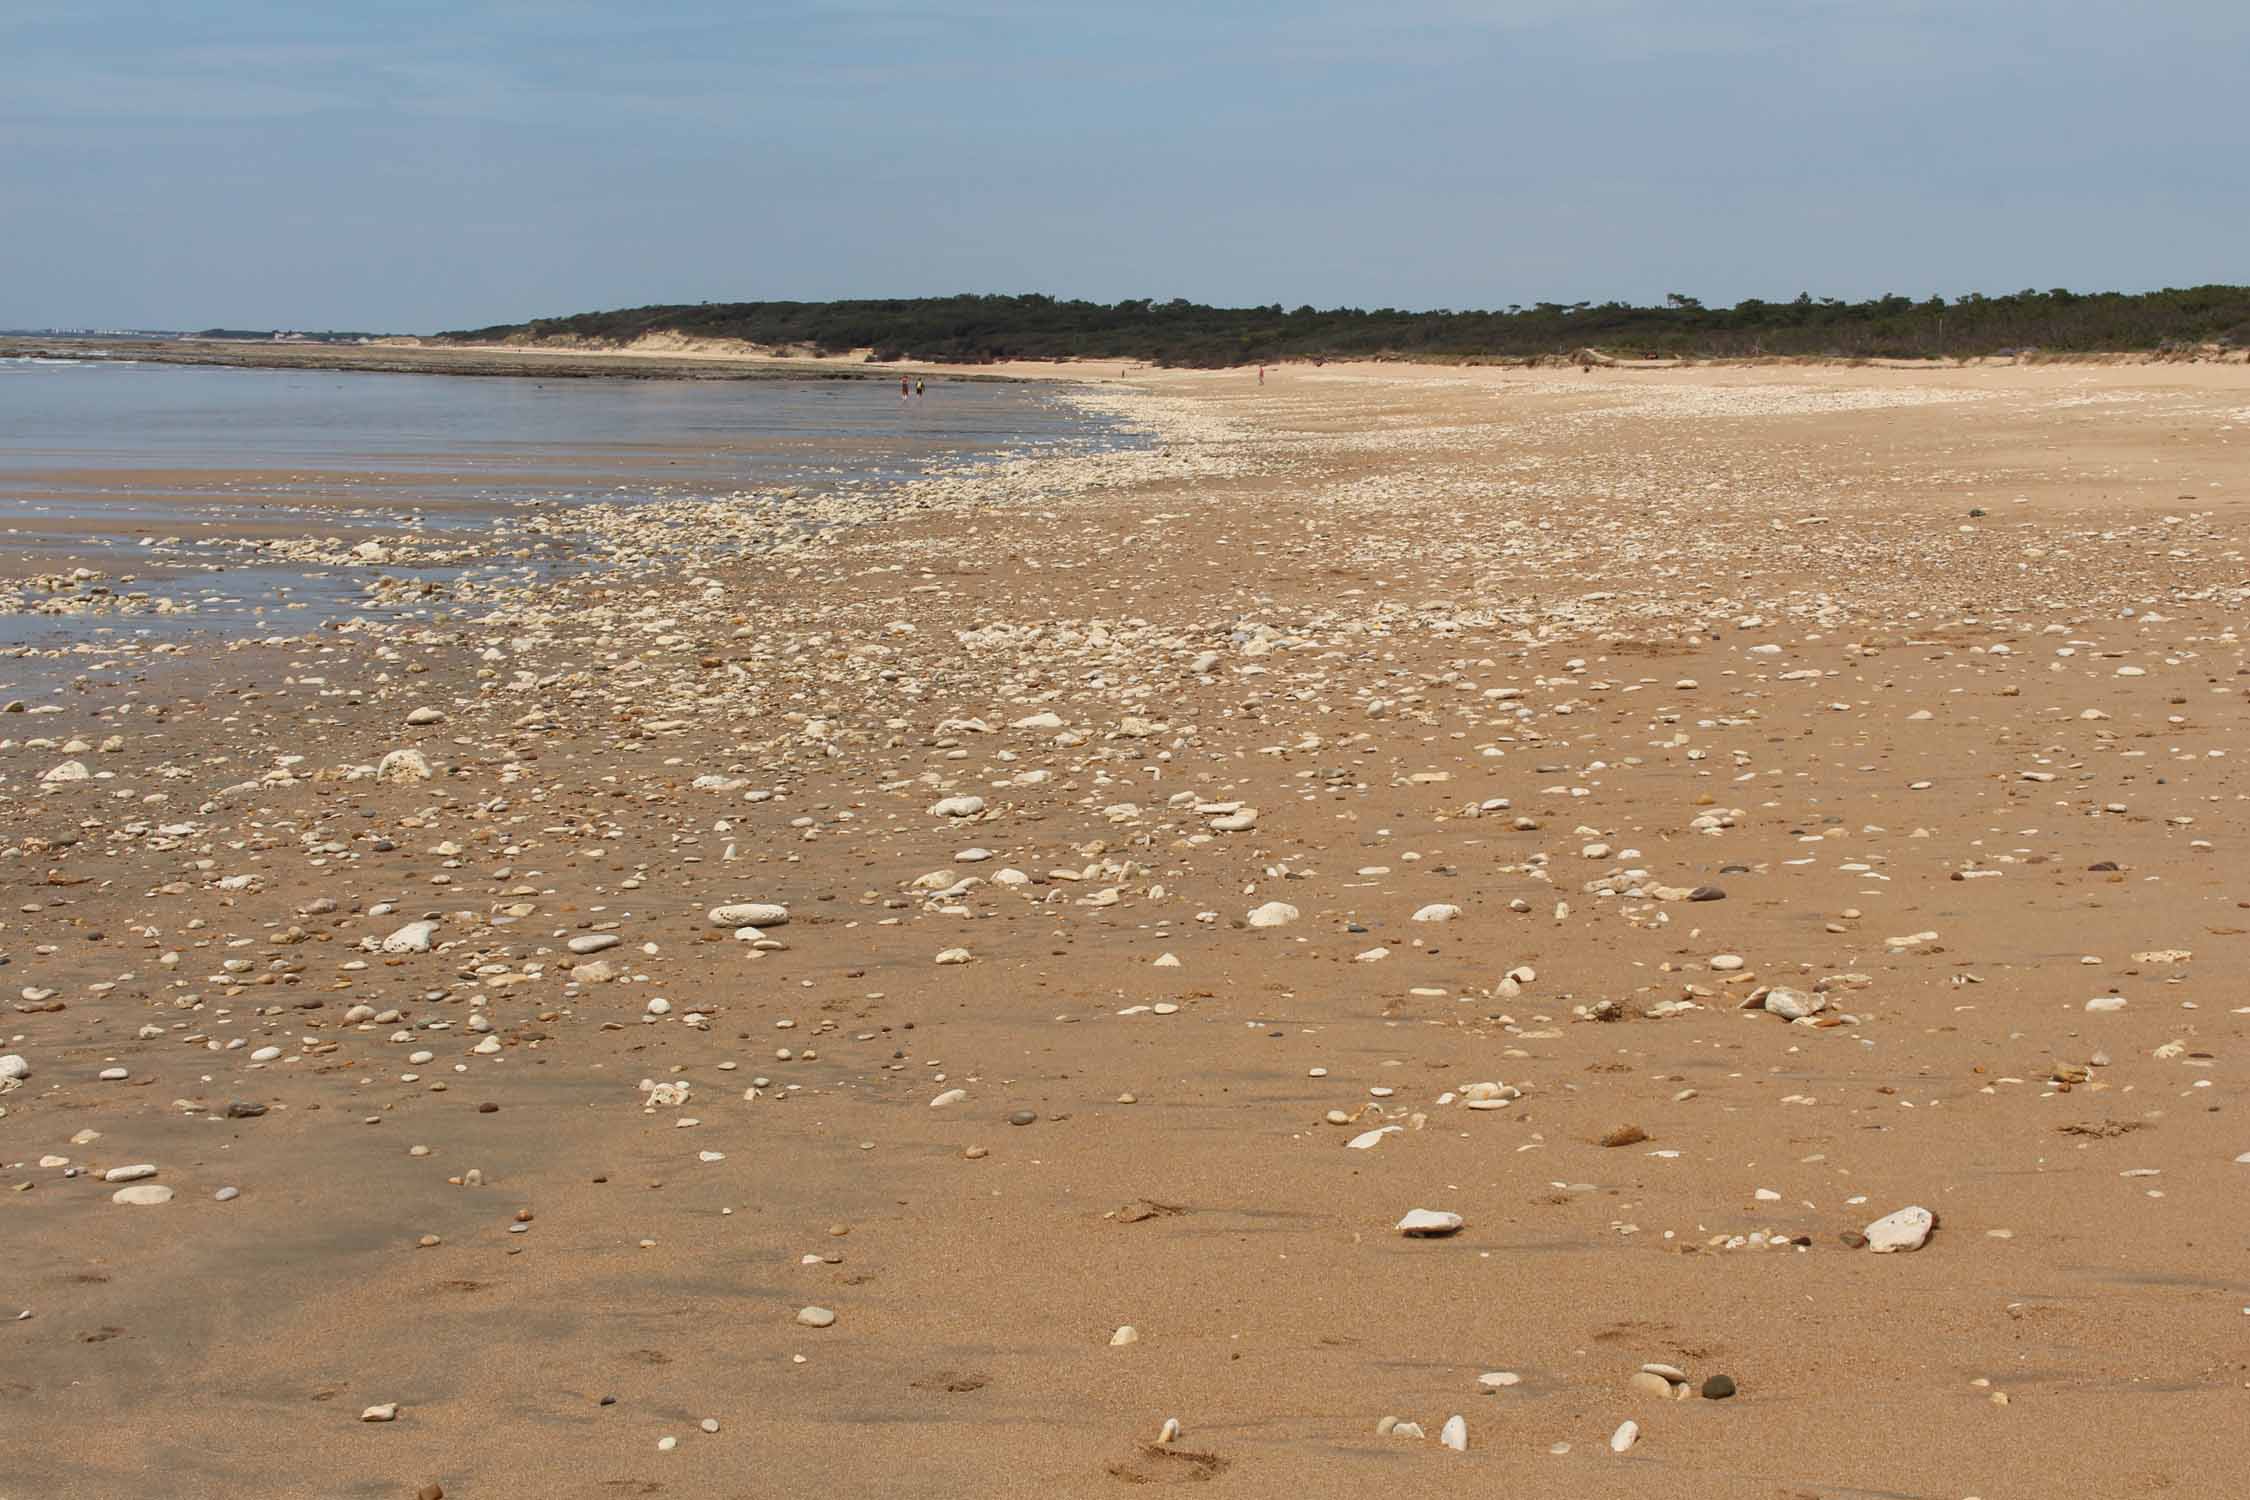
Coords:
pixel 414 937
pixel 1428 1223
pixel 1905 1230
pixel 1273 914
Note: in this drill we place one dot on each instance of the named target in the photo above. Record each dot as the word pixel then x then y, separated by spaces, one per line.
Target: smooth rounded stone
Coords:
pixel 265 1054
pixel 815 1317
pixel 950 1096
pixel 414 937
pixel 593 942
pixel 147 1195
pixel 1625 1135
pixel 1127 1334
pixel 1718 1388
pixel 114 1075
pixel 1236 822
pixel 709 1424
pixel 1907 1229
pixel 1707 893
pixel 1273 914
pixel 421 716
pixel 1455 1433
pixel 954 956
pixel 1627 1434
pixel 245 1109
pixel 1653 1385
pixel 659 1006
pixel 1726 963
pixel 1437 911
pixel 1169 1432
pixel 1428 1223
pixel 14 1068
pixel 667 1444
pixel 957 807
pixel 1670 1374
pixel 385 1411
pixel 227 1194
pixel 1499 1380
pixel 971 856
pixel 1794 1005
pixel 1023 1117
pixel 750 914
pixel 69 770
pixel 133 1173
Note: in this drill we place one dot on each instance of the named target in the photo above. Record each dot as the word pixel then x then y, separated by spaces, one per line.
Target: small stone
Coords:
pixel 1428 1223
pixel 1625 1135
pixel 1653 1385
pixel 1906 1229
pixel 147 1195
pixel 1627 1434
pixel 1794 1005
pixel 227 1194
pixel 1023 1117
pixel 244 1109
pixel 1455 1434
pixel 750 914
pixel 1127 1334
pixel 1853 1239
pixel 1718 1388
pixel 815 1317
pixel 386 1411
pixel 132 1173
pixel 709 1424
pixel 1707 893
pixel 1273 914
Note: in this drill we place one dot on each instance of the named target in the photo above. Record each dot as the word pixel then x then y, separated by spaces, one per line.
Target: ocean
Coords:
pixel 166 481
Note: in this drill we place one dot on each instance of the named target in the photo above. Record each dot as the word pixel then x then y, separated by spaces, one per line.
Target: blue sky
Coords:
pixel 411 166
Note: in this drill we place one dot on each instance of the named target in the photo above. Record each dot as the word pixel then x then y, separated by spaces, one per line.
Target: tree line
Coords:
pixel 980 329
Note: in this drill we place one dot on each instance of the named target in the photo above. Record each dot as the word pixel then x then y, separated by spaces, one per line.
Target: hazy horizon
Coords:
pixel 262 164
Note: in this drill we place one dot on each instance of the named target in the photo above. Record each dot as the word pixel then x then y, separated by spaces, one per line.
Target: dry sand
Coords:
pixel 1937 677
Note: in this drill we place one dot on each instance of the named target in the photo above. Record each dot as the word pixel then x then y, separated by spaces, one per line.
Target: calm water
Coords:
pixel 96 455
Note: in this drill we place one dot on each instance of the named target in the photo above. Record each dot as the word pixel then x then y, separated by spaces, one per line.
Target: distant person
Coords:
pixel 1261 374
pixel 902 385
pixel 917 385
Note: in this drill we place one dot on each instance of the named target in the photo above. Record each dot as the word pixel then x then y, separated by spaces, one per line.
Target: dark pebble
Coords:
pixel 1718 1388
pixel 609 1400
pixel 1853 1239
pixel 243 1109
pixel 430 1492
pixel 488 1109
pixel 1023 1117
pixel 2103 866
pixel 1707 893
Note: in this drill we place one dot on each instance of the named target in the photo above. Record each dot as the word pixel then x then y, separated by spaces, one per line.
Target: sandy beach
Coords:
pixel 930 997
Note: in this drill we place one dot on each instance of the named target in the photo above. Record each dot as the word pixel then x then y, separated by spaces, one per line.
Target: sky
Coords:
pixel 418 165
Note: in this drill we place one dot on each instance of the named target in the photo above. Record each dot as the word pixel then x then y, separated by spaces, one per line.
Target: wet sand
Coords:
pixel 1541 698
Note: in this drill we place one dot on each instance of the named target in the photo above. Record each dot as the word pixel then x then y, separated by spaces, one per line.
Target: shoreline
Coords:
pixel 663 359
